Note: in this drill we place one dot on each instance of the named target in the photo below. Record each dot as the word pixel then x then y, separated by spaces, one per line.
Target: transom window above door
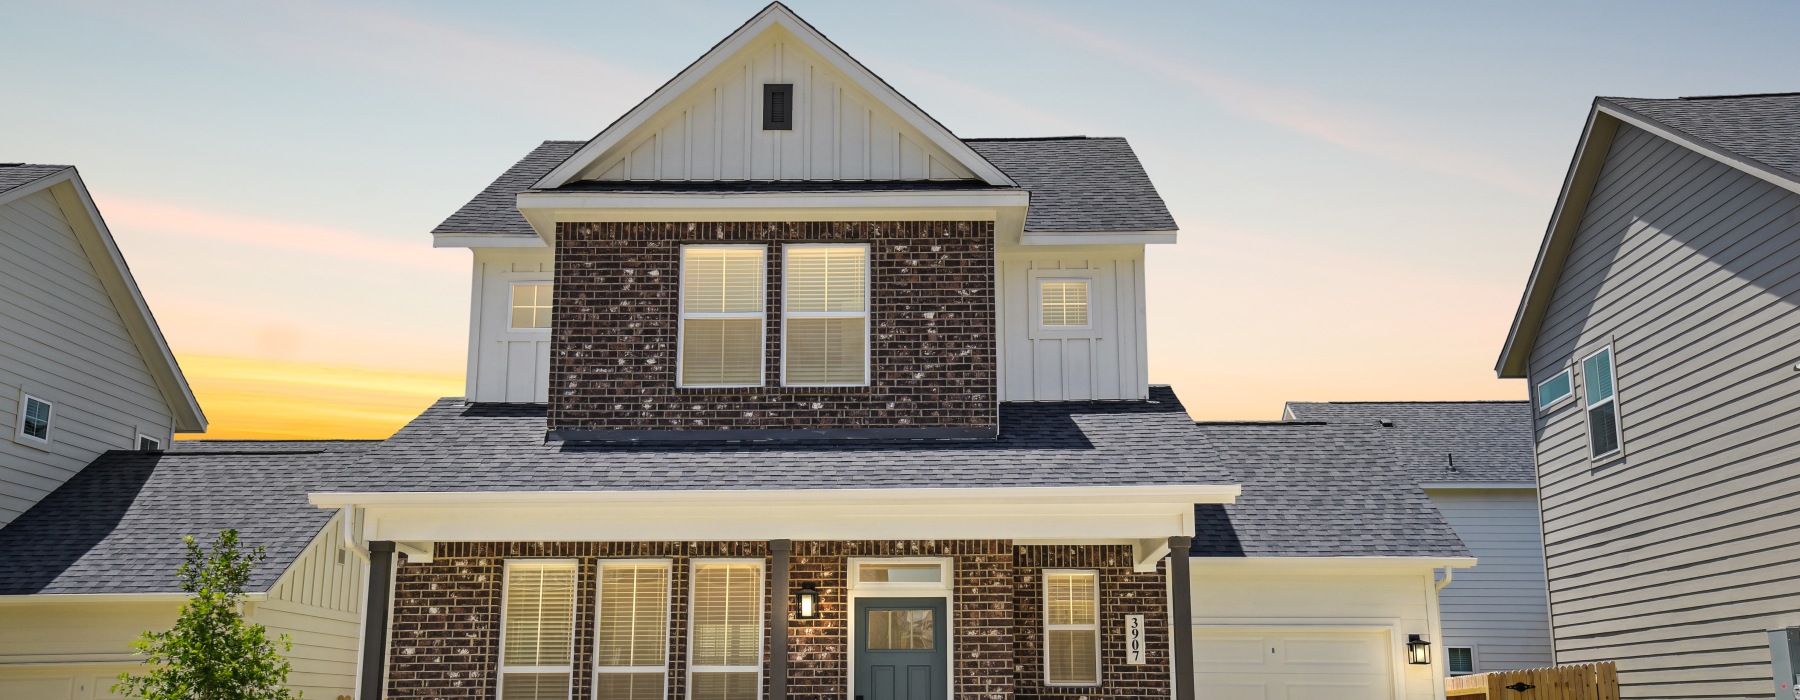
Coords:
pixel 901 572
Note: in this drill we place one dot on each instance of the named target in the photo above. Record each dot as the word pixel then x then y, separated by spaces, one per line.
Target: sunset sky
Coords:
pixel 1360 189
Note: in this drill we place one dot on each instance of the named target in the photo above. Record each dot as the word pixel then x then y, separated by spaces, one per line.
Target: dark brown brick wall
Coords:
pixel 932 311
pixel 446 615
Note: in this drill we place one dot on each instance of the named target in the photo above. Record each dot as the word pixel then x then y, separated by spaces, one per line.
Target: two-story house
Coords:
pixel 1660 332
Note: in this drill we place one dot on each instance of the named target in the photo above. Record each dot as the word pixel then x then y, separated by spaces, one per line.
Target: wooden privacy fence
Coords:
pixel 1578 682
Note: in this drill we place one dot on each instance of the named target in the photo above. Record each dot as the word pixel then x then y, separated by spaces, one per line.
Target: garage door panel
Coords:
pixel 1292 664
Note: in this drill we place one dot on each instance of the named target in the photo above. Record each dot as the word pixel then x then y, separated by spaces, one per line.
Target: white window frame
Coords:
pixel 668 567
pixel 139 445
pixel 1612 366
pixel 1034 296
pixel 681 315
pixel 1538 391
pixel 866 314
pixel 1099 663
pixel 512 289
pixel 762 620
pixel 574 625
pixel 1474 662
pixel 25 399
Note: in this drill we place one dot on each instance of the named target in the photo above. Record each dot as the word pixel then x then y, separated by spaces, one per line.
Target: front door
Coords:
pixel 901 649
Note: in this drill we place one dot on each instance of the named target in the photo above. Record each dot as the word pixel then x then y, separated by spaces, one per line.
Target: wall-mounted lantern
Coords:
pixel 807 602
pixel 1418 649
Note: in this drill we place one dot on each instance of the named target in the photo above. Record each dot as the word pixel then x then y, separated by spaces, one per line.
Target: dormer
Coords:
pixel 778 244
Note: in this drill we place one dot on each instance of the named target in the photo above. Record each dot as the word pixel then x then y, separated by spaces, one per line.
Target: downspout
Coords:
pixel 1449 573
pixel 351 538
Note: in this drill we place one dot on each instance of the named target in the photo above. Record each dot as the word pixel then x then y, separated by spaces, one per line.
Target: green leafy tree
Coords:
pixel 212 653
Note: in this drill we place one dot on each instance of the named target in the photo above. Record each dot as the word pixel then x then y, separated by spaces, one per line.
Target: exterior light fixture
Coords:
pixel 807 601
pixel 1418 649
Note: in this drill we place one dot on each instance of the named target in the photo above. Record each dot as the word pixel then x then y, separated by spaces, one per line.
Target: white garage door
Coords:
pixel 1271 663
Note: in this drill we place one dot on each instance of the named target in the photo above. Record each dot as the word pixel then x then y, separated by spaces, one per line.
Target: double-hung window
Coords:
pixel 537 629
pixel 1071 627
pixel 722 316
pixel 1602 394
pixel 725 636
pixel 631 643
pixel 825 315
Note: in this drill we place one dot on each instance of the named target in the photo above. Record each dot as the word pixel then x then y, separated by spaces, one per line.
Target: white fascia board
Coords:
pixel 1329 565
pixel 64 598
pixel 544 209
pixel 485 240
pixel 1478 486
pixel 1097 237
pixel 774 15
pixel 1195 494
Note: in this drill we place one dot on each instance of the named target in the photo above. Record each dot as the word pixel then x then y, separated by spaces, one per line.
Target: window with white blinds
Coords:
pixel 537 629
pixel 722 314
pixel 631 636
pixel 725 640
pixel 825 315
pixel 1071 627
pixel 1063 303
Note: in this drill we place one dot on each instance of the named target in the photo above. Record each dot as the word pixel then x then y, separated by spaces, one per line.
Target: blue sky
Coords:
pixel 1361 186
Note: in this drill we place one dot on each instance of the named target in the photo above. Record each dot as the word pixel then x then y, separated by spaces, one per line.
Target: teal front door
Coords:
pixel 901 652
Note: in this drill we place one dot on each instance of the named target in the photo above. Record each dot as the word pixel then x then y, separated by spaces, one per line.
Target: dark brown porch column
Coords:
pixel 375 626
pixel 1181 612
pixel 779 551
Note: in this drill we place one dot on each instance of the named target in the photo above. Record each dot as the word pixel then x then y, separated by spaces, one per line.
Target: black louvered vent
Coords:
pixel 778 107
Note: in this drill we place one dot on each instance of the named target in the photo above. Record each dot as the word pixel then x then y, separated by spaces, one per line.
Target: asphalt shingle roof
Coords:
pixel 1445 441
pixel 1317 490
pixel 116 527
pixel 1076 184
pixel 16 175
pixel 1764 128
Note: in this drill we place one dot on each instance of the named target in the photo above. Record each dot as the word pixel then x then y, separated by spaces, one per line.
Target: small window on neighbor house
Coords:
pixel 1071 627
pixel 1599 385
pixel 721 341
pixel 148 444
pixel 531 305
pixel 725 635
pixel 778 107
pixel 1064 303
pixel 1553 390
pixel 34 419
pixel 537 630
pixel 825 315
pixel 631 635
pixel 1462 661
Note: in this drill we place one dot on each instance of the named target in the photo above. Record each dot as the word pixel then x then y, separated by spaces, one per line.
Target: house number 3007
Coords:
pixel 1134 639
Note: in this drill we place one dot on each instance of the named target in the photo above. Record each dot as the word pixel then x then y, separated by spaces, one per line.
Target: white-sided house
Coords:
pixel 83 367
pixel 93 564
pixel 1476 461
pixel 1660 332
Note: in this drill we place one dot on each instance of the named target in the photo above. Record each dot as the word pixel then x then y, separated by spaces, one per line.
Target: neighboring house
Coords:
pixel 94 564
pixel 1476 461
pixel 1660 336
pixel 83 368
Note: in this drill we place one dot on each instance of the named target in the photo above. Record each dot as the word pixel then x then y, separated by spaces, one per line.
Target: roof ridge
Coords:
pixel 1419 401
pixel 1040 138
pixel 1731 97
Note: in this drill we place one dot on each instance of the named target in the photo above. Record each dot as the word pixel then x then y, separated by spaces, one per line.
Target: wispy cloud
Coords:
pixel 1338 124
pixel 1019 117
pixel 178 220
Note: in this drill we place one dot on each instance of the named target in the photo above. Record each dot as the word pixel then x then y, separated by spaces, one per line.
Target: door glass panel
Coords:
pixel 902 630
pixel 900 573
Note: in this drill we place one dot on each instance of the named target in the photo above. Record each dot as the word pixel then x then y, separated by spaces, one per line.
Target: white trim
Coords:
pixel 1376 565
pixel 486 240
pixel 866 315
pixel 762 618
pixel 500 667
pixel 762 315
pixel 1097 237
pixel 1537 391
pixel 1099 663
pixel 84 598
pixel 138 444
pixel 668 567
pixel 1474 661
pixel 1479 485
pixel 1035 292
pixel 774 15
pixel 19 434
pixel 945 589
pixel 1195 494
pixel 899 589
pixel 1587 412
pixel 512 288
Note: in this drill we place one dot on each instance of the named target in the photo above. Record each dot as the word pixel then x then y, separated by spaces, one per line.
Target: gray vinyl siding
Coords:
pixel 1498 607
pixel 1675 559
pixel 62 340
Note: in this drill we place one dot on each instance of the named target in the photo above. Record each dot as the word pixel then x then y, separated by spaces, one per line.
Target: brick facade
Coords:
pixel 932 314
pixel 446 616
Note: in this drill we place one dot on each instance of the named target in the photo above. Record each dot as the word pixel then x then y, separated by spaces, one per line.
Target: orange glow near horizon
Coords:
pixel 258 399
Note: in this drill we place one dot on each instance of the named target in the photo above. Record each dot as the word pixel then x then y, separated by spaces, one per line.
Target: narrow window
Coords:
pixel 148 444
pixel 34 419
pixel 778 106
pixel 721 315
pixel 1064 303
pixel 825 315
pixel 725 662
pixel 631 655
pixel 1602 404
pixel 531 305
pixel 537 630
pixel 1553 390
pixel 1071 627
pixel 1462 661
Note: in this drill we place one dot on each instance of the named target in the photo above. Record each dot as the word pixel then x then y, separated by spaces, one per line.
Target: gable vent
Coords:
pixel 778 107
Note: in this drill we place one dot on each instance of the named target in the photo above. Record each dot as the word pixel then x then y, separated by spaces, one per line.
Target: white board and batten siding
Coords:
pixel 1109 361
pixel 63 340
pixel 506 365
pixel 714 131
pixel 1676 559
pixel 317 603
pixel 1497 608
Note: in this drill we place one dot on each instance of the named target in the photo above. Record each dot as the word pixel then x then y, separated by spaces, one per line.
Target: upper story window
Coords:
pixel 1071 627
pixel 537 629
pixel 825 315
pixel 722 316
pixel 530 305
pixel 631 647
pixel 1602 394
pixel 148 444
pixel 1554 390
pixel 1063 303
pixel 34 419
